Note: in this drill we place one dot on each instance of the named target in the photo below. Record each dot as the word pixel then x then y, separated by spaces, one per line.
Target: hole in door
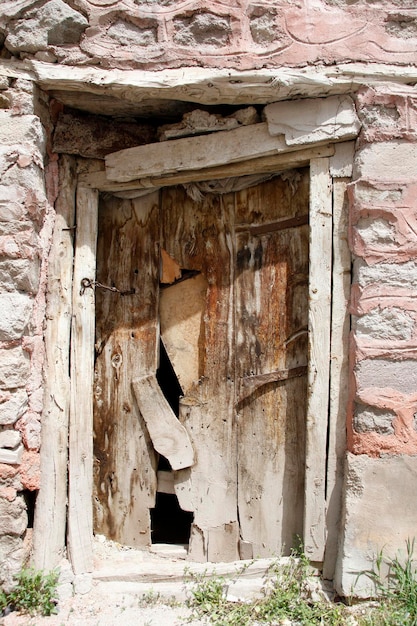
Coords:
pixel 169 523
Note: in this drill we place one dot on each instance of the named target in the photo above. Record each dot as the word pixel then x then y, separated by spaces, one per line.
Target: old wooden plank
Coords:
pixel 51 503
pixel 208 85
pixel 205 244
pixel 271 310
pixel 341 279
pixel 191 153
pixel 270 164
pixel 169 437
pixel 127 343
pixel 319 357
pixel 80 472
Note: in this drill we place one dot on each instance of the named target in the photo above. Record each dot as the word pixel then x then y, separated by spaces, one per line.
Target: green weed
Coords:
pixel 34 593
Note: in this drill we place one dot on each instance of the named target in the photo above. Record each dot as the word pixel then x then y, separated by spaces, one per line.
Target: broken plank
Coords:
pixel 168 436
pixel 80 509
pixel 269 164
pixel 319 357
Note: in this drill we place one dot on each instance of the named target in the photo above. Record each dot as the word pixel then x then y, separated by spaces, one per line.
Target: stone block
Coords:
pixel 12 457
pixel 12 553
pixel 380 512
pixel 13 516
pixel 12 407
pixel 10 438
pixel 312 120
pixel 126 34
pixel 391 275
pixel 376 232
pixel 20 274
pixel 391 324
pixel 83 583
pixel 263 28
pixel 16 309
pixel 371 419
pixel 16 130
pixel 387 161
pixel 14 367
pixel 206 29
pixel 55 23
pixel 399 376
pixel 12 199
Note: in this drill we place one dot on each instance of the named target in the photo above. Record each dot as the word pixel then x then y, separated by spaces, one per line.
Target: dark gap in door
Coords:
pixel 169 523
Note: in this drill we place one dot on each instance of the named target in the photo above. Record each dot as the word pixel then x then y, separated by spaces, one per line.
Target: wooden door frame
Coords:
pixel 330 170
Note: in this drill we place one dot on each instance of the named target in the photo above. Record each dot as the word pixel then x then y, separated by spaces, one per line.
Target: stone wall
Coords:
pixel 380 505
pixel 156 34
pixel 24 233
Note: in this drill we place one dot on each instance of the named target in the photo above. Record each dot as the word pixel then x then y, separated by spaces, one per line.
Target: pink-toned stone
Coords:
pixel 29 470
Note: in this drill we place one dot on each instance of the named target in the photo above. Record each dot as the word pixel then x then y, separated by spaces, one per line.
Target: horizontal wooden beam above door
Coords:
pixel 274 163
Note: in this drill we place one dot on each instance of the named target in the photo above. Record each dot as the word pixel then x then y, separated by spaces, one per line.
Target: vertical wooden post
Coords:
pixel 80 513
pixel 319 357
pixel 51 504
pixel 338 371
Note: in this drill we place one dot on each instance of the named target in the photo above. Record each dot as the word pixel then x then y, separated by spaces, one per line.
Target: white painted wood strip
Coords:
pixel 319 355
pixel 169 437
pixel 338 370
pixel 51 503
pixel 80 512
pixel 190 153
pixel 274 163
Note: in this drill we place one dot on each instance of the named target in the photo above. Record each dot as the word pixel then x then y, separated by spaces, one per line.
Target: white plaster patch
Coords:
pixel 390 323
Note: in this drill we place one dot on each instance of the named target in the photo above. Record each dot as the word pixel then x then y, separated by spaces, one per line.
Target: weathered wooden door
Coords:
pixel 233 320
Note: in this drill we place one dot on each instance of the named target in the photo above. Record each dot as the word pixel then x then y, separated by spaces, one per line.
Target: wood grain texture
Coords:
pixel 80 518
pixel 168 436
pixel 51 503
pixel 199 237
pixel 339 362
pixel 126 342
pixel 271 323
pixel 319 324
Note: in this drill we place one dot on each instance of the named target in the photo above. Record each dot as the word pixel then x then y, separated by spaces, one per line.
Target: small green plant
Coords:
pixel 397 592
pixel 34 593
pixel 285 598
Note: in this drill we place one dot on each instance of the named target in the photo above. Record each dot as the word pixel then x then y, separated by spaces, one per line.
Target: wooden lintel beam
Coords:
pixel 269 164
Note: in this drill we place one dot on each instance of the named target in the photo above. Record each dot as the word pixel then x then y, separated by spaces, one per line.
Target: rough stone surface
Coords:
pixel 13 516
pixel 390 323
pixel 16 309
pixel 390 161
pixel 12 406
pixel 127 34
pixel 15 130
pixel 380 512
pixel 398 376
pixel 19 274
pixel 14 367
pixel 368 419
pixel 205 29
pixel 12 553
pixel 390 274
pixel 53 24
pixel 10 438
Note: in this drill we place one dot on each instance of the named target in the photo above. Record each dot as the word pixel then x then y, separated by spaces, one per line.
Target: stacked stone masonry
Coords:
pixel 383 240
pixel 24 234
pixel 236 34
